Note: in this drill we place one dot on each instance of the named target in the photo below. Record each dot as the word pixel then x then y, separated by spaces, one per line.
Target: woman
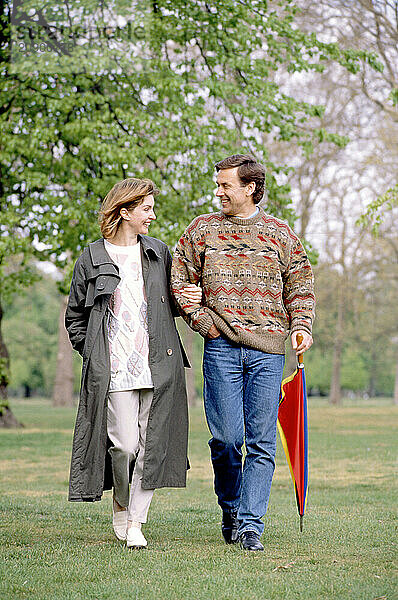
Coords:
pixel 132 421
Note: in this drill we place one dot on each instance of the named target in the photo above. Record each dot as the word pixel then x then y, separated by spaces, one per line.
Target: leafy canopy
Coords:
pixel 160 89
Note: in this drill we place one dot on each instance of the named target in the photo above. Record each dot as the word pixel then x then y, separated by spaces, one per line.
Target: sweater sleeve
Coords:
pixel 298 288
pixel 187 268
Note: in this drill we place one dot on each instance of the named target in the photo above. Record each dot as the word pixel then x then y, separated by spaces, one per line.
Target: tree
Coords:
pixel 16 251
pixel 375 211
pixel 200 86
pixel 30 331
pixel 64 378
pixel 332 186
pixel 381 216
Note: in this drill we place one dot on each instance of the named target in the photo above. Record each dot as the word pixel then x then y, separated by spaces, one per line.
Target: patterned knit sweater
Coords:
pixel 256 278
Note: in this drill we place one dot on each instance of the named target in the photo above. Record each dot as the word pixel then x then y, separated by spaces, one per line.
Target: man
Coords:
pixel 257 289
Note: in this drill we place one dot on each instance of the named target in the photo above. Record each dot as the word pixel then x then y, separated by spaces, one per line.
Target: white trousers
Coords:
pixel 127 420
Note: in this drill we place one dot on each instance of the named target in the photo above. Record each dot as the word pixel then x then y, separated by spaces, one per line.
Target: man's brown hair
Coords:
pixel 248 170
pixel 128 193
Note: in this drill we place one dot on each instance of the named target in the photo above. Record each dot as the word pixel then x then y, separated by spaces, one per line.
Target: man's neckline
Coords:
pixel 245 220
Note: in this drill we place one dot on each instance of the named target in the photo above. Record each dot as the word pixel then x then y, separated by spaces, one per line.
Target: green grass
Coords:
pixel 52 549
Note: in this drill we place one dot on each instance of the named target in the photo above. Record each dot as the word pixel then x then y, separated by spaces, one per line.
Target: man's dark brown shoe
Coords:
pixel 229 527
pixel 250 540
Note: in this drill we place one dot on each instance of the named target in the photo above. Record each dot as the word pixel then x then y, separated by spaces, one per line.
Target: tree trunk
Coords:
pixel 372 375
pixel 335 388
pixel 7 418
pixel 396 384
pixel 64 378
pixel 335 385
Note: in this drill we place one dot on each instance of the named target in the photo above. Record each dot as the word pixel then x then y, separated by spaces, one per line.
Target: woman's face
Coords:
pixel 139 218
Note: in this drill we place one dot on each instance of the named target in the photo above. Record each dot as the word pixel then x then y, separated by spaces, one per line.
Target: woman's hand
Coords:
pixel 193 293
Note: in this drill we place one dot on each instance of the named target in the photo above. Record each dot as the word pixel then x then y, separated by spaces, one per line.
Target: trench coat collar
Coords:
pixel 149 245
pixel 99 255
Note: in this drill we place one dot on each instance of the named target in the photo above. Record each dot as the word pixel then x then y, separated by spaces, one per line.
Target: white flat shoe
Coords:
pixel 119 522
pixel 135 538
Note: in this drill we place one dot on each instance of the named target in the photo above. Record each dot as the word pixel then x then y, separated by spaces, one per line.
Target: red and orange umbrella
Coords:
pixel 293 429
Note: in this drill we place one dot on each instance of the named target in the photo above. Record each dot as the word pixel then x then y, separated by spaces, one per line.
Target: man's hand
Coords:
pixel 305 344
pixel 193 293
pixel 213 333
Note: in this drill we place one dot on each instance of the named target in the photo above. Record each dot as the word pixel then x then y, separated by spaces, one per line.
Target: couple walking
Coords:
pixel 239 277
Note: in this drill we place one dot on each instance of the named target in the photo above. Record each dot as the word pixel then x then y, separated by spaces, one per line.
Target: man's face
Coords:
pixel 236 199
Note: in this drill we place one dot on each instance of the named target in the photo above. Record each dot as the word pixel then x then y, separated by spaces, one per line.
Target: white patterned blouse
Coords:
pixel 127 322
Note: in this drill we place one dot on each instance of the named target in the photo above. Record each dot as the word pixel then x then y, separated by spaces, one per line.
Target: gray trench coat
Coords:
pixel 95 278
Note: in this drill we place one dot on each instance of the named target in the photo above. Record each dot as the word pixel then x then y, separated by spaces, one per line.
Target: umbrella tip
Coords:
pixel 301 523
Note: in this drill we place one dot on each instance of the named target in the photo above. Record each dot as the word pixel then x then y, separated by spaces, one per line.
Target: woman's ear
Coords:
pixel 124 213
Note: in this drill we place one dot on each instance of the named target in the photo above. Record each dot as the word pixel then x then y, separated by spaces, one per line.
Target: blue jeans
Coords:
pixel 241 395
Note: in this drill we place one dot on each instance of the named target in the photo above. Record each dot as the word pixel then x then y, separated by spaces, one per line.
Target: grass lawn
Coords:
pixel 52 549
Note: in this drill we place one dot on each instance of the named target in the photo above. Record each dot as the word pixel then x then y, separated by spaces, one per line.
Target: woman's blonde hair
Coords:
pixel 128 193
